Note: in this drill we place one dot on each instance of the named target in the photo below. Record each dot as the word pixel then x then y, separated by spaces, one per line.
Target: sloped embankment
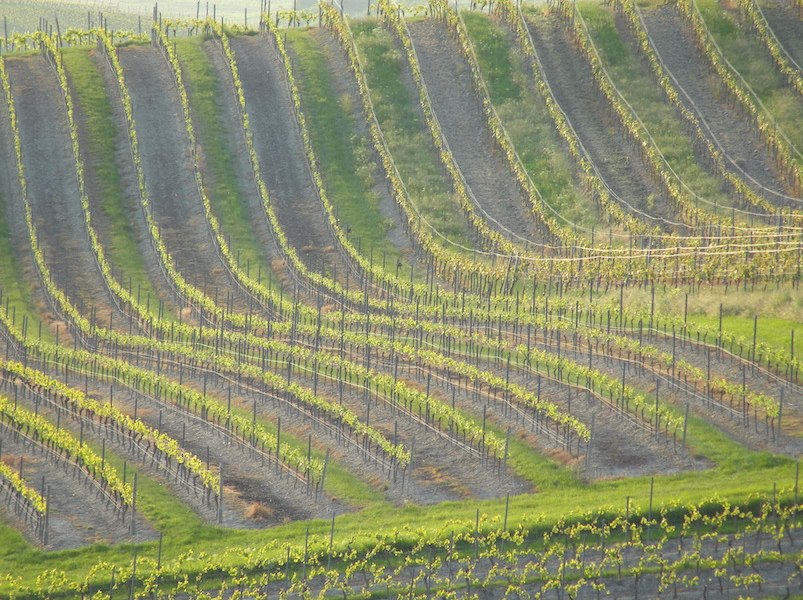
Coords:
pixel 573 86
pixel 53 186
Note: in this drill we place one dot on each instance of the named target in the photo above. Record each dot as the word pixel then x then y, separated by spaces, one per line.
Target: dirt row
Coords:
pixel 573 86
pixel 281 154
pixel 739 139
pixel 786 22
pixel 53 193
pixel 168 164
pixel 460 115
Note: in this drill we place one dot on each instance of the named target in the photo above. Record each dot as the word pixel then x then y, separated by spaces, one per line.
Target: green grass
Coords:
pixel 225 192
pixel 635 81
pixel 737 475
pixel 344 154
pixel 409 142
pixel 747 55
pixel 17 300
pixel 119 238
pixel 779 311
pixel 525 117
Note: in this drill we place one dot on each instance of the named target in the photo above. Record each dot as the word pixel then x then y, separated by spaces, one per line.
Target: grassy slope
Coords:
pixel 739 474
pixel 528 123
pixel 17 297
pixel 409 143
pixel 224 190
pixel 92 98
pixel 779 311
pixel 345 155
pixel 636 84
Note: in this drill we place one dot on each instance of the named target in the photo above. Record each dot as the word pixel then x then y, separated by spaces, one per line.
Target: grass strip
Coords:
pixel 100 144
pixel 527 121
pixel 748 57
pixel 225 190
pixel 345 155
pixel 408 140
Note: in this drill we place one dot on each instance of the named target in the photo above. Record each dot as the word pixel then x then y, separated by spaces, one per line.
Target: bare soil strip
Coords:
pixel 786 23
pixel 53 186
pixel 13 212
pixel 739 139
pixel 281 154
pixel 441 470
pixel 128 187
pixel 459 112
pixel 254 494
pixel 78 512
pixel 573 86
pixel 167 161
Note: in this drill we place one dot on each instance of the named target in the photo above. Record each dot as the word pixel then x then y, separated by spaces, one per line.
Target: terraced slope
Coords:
pixel 774 101
pixel 394 97
pixel 111 183
pixel 341 139
pixel 20 297
pixel 532 132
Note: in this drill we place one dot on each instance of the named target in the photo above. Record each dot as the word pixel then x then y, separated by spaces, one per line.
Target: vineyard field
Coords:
pixel 497 302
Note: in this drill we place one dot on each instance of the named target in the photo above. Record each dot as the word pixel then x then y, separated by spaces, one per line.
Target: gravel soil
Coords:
pixel 573 86
pixel 53 186
pixel 459 111
pixel 739 139
pixel 167 161
pixel 281 154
